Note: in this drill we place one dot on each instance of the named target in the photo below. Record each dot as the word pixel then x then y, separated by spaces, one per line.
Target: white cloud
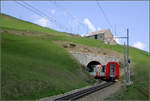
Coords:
pixel 53 11
pixel 116 39
pixel 90 25
pixel 139 45
pixel 99 28
pixel 42 21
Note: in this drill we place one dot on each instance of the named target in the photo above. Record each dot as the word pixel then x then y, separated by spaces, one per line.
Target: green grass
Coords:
pixel 33 67
pixel 139 90
pixel 9 22
pixel 139 57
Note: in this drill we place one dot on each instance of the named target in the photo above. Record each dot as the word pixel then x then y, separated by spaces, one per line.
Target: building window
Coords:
pixel 95 36
pixel 101 36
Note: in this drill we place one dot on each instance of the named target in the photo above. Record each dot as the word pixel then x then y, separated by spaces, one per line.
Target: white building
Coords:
pixel 103 35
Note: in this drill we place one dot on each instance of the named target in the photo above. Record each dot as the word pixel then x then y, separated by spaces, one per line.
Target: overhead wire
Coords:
pixel 38 12
pixel 105 16
pixel 73 17
pixel 55 22
pixel 58 7
pixel 28 8
pixel 61 7
pixel 42 14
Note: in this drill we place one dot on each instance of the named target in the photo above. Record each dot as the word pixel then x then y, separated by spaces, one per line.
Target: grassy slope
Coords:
pixel 139 58
pixel 13 23
pixel 140 87
pixel 33 68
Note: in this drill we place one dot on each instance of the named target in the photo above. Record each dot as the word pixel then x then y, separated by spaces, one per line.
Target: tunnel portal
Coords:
pixel 91 65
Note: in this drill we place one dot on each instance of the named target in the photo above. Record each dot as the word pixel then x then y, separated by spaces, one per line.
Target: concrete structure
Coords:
pixel 85 58
pixel 103 35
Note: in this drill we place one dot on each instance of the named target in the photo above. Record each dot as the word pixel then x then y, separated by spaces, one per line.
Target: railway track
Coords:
pixel 79 94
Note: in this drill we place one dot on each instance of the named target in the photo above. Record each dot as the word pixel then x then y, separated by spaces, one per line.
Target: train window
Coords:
pixel 103 69
pixel 92 68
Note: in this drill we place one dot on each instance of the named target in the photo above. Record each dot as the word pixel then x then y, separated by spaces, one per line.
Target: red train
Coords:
pixel 110 71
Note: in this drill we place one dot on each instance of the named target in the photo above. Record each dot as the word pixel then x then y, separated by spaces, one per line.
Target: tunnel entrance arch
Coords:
pixel 91 65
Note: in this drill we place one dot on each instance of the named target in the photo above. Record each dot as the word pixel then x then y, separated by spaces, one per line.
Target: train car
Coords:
pixel 110 71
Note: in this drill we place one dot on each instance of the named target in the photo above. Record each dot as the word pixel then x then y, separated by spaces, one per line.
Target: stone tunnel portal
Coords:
pixel 91 65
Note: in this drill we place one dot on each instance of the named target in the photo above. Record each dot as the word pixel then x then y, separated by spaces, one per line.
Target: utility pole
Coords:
pixel 124 62
pixel 78 29
pixel 87 29
pixel 128 67
pixel 115 31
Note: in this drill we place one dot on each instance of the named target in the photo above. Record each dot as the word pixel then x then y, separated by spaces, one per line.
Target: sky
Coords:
pixel 83 17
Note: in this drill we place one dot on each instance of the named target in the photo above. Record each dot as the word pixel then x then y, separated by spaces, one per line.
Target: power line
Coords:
pixel 68 13
pixel 29 9
pixel 50 18
pixel 106 18
pixel 38 12
pixel 65 11
pixel 63 8
pixel 56 4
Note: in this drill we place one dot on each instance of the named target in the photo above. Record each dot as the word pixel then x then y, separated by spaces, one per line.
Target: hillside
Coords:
pixel 33 65
pixel 33 68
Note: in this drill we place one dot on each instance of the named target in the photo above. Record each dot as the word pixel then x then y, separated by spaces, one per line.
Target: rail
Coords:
pixel 79 94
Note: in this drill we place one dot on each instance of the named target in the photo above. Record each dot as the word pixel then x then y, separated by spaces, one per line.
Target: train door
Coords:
pixel 112 70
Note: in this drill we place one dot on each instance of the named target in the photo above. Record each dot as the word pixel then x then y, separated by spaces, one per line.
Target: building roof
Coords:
pixel 98 32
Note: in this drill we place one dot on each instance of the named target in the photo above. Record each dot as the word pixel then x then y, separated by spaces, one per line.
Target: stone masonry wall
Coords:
pixel 85 58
